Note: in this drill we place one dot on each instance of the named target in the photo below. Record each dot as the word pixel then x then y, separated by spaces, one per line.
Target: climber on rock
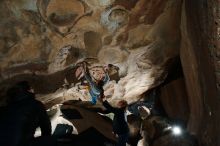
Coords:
pixel 95 79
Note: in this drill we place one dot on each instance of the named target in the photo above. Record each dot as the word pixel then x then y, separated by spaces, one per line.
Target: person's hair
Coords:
pixel 122 103
pixel 24 85
pixel 17 91
pixel 110 65
pixel 13 91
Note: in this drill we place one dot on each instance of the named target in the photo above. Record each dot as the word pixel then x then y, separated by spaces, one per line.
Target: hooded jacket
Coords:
pixel 19 120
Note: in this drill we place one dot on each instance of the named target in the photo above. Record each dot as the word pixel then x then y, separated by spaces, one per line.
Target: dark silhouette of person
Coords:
pixel 22 116
pixel 120 125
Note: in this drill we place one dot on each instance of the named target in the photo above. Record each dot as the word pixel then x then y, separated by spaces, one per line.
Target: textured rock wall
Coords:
pixel 41 41
pixel 198 56
pixel 175 100
pixel 215 37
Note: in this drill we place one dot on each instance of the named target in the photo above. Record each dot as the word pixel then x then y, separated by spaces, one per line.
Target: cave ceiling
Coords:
pixel 42 41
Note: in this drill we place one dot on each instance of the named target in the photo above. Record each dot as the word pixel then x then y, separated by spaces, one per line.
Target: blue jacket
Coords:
pixel 95 90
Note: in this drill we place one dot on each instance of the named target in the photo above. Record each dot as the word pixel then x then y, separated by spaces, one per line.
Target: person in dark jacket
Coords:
pixel 120 125
pixel 22 116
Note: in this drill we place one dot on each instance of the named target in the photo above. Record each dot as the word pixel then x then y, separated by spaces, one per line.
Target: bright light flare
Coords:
pixel 176 130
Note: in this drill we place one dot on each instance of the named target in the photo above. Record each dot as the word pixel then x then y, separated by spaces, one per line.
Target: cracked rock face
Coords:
pixel 41 41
